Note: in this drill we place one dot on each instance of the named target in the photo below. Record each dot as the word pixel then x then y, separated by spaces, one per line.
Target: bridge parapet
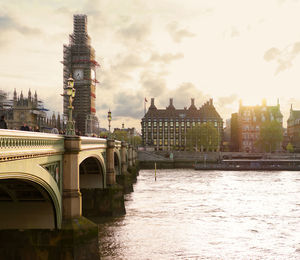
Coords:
pixel 89 143
pixel 15 145
pixel 118 144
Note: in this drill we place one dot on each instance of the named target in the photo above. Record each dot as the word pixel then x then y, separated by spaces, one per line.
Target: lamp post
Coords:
pixel 109 120
pixel 71 94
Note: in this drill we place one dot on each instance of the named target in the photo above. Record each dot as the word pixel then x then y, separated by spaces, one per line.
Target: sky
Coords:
pixel 222 49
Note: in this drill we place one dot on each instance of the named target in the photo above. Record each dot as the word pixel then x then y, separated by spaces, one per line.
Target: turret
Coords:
pixel 15 97
pixel 29 96
pixel 35 99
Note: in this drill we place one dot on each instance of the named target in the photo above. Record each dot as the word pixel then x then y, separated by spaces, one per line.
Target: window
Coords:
pixel 177 123
pixel 166 141
pixel 154 123
pixel 182 123
pixel 188 123
pixel 155 142
pixel 160 123
pixel 160 141
pixel 171 123
pixel 149 123
pixel 166 123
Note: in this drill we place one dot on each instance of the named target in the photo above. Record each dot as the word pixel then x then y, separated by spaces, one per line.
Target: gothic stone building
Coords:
pixel 165 129
pixel 29 110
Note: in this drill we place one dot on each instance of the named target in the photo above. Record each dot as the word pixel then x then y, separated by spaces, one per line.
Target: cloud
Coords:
pixel 128 104
pixel 8 23
pixel 166 58
pixel 182 96
pixel 284 58
pixel 135 31
pixel 153 84
pixel 178 34
pixel 228 100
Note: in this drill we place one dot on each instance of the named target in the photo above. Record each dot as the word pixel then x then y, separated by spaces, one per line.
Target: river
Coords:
pixel 187 214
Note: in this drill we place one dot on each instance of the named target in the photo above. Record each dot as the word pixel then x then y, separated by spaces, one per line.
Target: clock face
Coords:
pixel 78 74
pixel 93 74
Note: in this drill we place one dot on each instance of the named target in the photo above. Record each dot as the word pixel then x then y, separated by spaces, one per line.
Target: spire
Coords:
pixel 291 109
pixel 29 95
pixel 58 122
pixel 21 96
pixel 15 95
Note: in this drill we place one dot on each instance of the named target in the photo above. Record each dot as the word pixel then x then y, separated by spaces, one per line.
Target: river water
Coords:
pixel 189 214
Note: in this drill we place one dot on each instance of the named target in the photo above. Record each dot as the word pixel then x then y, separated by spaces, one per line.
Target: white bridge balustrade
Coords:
pixel 41 175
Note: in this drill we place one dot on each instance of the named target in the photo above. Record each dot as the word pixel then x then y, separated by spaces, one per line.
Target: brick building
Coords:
pixel 249 121
pixel 293 129
pixel 165 129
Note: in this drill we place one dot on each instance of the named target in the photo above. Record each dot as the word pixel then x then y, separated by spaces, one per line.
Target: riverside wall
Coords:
pixel 210 160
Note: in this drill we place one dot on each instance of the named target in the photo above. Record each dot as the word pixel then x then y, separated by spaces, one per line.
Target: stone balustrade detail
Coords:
pixel 16 145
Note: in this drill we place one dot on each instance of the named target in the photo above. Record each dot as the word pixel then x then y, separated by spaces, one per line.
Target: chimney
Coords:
pixel 192 101
pixel 152 101
pixel 211 101
pixel 122 125
pixel 171 101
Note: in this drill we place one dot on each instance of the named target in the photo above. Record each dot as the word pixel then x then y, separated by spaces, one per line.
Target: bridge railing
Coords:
pixel 88 143
pixel 15 145
pixel 118 144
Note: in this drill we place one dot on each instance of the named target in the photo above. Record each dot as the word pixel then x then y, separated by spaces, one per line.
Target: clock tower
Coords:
pixel 79 63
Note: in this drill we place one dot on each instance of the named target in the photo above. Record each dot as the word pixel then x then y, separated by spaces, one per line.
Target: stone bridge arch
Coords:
pixel 29 200
pixel 117 162
pixel 92 172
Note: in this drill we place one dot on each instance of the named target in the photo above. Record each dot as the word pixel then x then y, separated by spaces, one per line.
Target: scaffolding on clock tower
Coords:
pixel 80 55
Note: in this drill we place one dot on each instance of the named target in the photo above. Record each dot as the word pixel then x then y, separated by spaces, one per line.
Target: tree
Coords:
pixel 290 148
pixel 271 135
pixel 203 137
pixel 121 135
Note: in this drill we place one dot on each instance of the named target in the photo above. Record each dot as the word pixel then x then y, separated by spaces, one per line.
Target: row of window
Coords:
pixel 263 119
pixel 250 136
pixel 177 123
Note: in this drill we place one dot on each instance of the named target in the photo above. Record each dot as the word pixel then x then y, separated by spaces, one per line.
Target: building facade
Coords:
pixel 29 110
pixel 166 129
pixel 293 129
pixel 250 119
pixel 79 63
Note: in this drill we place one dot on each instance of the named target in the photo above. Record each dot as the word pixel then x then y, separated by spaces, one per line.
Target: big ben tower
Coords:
pixel 79 62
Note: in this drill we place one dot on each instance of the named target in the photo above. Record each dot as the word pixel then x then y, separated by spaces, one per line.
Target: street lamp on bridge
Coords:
pixel 109 120
pixel 71 94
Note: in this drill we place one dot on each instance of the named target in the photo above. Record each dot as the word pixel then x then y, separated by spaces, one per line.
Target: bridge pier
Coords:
pixel 71 191
pixel 107 201
pixel 110 167
pixel 125 179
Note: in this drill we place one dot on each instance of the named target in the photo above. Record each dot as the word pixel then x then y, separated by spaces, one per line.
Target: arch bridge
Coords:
pixel 41 175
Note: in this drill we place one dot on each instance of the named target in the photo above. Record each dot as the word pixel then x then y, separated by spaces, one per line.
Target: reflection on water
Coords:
pixel 190 214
